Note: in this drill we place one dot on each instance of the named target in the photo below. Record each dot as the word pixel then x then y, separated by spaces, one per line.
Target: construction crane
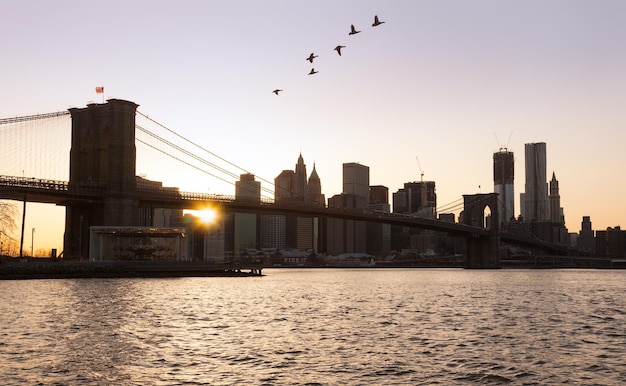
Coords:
pixel 421 171
pixel 505 147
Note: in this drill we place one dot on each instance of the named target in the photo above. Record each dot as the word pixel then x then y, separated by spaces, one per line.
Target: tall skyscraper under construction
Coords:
pixel 503 178
pixel 536 188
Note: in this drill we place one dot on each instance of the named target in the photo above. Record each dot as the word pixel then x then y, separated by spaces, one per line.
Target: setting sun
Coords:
pixel 207 215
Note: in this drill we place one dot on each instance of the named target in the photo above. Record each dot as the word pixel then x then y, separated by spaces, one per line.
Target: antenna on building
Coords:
pixel 421 171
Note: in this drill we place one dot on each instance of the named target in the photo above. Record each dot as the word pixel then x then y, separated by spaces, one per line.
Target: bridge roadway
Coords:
pixel 61 192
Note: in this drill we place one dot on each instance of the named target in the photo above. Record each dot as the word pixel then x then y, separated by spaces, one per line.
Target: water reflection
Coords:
pixel 318 327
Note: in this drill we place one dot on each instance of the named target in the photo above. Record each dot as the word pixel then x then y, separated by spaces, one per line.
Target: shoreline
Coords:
pixel 60 269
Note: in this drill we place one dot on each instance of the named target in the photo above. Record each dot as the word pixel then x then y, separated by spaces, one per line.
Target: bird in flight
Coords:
pixel 376 22
pixel 353 30
pixel 338 49
pixel 313 71
pixel 311 57
pixel 277 91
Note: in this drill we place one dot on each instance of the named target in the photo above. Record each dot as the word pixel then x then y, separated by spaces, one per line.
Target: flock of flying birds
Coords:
pixel 353 31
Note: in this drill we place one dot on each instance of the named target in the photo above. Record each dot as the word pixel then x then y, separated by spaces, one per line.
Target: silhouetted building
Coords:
pixel 417 199
pixel 503 183
pixel 586 239
pixel 536 188
pixel 556 212
pixel 346 236
pixel 315 189
pixel 379 235
pixel 349 236
pixel 379 194
pixel 611 243
pixel 209 241
pixel 273 231
pixel 158 217
pixel 296 232
pixel 356 180
pixel 284 186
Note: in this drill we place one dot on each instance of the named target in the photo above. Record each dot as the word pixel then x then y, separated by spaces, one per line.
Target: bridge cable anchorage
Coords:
pixel 203 149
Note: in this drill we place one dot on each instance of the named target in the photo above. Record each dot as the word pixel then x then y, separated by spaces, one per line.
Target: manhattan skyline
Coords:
pixel 437 80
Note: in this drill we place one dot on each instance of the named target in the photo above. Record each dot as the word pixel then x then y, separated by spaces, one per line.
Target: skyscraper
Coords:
pixel 300 181
pixel 536 187
pixel 291 186
pixel 315 189
pixel 356 180
pixel 503 178
pixel 416 198
pixel 349 236
pixel 556 212
pixel 586 238
pixel 379 235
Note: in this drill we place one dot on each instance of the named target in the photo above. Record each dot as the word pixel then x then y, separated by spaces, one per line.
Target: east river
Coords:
pixel 319 327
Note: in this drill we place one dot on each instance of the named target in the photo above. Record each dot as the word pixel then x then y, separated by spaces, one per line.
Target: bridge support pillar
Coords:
pixel 483 252
pixel 103 155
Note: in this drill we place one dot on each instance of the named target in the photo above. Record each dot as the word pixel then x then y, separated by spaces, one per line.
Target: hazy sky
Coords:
pixel 448 82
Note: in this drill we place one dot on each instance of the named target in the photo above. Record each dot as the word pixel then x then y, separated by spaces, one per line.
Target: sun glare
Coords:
pixel 207 216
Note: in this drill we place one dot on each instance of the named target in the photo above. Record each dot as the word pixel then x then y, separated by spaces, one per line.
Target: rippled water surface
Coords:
pixel 319 327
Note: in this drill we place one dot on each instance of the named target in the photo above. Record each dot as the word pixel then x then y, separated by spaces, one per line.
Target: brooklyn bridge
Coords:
pixel 103 188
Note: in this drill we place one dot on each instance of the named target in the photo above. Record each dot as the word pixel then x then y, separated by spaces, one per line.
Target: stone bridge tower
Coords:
pixel 102 155
pixel 482 251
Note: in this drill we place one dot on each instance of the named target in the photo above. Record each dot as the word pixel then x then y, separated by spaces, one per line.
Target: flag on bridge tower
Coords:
pixel 100 90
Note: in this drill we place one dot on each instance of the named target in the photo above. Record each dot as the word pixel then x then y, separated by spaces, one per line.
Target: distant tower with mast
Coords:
pixel 503 178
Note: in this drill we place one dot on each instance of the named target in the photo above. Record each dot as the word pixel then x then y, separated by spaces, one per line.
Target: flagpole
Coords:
pixel 100 90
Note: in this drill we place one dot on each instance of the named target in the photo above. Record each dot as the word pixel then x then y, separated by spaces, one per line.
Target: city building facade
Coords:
pixel 536 206
pixel 503 183
pixel 556 212
pixel 294 232
pixel 349 236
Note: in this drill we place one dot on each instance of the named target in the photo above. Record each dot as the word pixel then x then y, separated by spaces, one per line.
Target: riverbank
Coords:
pixel 14 269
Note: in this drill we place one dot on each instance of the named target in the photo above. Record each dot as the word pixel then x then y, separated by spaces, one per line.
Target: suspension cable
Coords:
pixel 26 118
pixel 202 148
pixel 188 164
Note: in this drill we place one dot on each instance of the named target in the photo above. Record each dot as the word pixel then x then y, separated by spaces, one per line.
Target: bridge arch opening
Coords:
pixel 487 218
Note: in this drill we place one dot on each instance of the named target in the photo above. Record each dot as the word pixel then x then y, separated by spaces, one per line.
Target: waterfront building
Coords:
pixel 503 183
pixel 536 187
